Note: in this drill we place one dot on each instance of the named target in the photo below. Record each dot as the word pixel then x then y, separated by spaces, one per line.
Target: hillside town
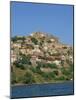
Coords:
pixel 40 58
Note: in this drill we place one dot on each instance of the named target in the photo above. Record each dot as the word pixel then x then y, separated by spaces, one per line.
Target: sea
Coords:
pixel 42 90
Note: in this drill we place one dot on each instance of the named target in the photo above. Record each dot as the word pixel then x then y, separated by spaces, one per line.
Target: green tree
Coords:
pixel 14 39
pixel 28 78
pixel 19 65
pixel 34 40
pixel 53 65
pixel 61 78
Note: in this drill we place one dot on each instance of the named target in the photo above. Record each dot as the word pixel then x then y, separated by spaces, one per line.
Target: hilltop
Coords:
pixel 40 58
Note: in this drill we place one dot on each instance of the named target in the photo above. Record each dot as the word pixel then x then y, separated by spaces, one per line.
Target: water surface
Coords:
pixel 36 90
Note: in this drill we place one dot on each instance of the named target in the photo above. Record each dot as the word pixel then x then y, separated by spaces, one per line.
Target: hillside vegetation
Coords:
pixel 40 58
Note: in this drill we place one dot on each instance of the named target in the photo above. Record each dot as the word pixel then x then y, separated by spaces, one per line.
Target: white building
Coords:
pixel 57 62
pixel 71 58
pixel 13 56
pixel 17 45
pixel 62 57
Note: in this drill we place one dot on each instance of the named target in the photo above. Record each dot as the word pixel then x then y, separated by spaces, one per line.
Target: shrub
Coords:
pixel 33 70
pixel 62 63
pixel 47 76
pixel 52 75
pixel 49 41
pixel 23 38
pixel 28 78
pixel 66 72
pixel 40 64
pixel 56 72
pixel 25 59
pixel 53 65
pixel 36 69
pixel 14 39
pixel 61 78
pixel 35 41
pixel 71 67
pixel 19 65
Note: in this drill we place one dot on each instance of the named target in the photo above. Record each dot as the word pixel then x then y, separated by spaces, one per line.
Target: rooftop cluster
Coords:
pixel 40 58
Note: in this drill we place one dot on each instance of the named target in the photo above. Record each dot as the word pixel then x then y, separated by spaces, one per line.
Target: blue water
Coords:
pixel 52 89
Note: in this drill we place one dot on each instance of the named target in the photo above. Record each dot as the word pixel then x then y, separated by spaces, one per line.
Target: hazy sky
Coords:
pixel 49 18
